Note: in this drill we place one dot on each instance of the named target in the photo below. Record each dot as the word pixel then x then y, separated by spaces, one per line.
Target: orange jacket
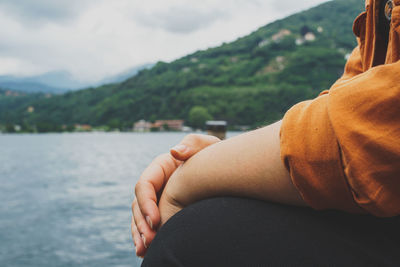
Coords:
pixel 343 148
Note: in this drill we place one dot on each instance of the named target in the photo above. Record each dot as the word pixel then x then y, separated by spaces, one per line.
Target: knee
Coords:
pixel 203 232
pixel 189 234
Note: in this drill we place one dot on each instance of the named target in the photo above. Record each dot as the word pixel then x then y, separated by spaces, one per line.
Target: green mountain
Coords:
pixel 250 81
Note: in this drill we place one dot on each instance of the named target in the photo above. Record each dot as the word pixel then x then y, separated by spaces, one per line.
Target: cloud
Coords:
pixel 40 11
pixel 287 7
pixel 95 38
pixel 180 19
pixel 8 65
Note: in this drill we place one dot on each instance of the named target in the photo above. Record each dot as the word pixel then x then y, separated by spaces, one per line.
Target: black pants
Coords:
pixel 244 232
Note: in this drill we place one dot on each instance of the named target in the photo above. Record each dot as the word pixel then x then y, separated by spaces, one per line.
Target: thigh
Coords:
pixel 244 232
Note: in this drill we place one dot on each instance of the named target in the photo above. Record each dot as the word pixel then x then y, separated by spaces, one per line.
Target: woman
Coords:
pixel 339 152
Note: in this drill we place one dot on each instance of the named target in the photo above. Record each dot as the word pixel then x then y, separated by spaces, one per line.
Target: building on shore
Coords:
pixel 142 126
pixel 217 128
pixel 83 128
pixel 159 125
pixel 168 125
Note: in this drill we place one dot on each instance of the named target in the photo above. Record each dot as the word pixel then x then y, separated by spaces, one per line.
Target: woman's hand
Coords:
pixel 146 214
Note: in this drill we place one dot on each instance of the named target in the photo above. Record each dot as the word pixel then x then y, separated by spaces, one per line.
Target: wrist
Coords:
pixel 177 190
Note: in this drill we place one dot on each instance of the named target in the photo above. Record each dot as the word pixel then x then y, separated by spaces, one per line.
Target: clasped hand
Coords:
pixel 154 204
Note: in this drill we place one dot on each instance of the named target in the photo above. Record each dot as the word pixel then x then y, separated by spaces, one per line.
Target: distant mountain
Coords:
pixel 61 80
pixel 129 73
pixel 58 82
pixel 23 85
pixel 251 81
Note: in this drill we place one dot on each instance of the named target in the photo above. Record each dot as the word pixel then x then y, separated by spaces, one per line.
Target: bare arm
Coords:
pixel 248 165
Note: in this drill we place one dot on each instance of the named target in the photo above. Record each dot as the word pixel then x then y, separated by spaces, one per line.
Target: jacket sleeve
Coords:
pixel 342 149
pixel 353 68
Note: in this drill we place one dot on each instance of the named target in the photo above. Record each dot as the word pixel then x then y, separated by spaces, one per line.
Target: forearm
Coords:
pixel 247 165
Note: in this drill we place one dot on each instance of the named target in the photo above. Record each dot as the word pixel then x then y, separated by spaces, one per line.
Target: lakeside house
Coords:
pixel 142 126
pixel 217 128
pixel 159 125
pixel 165 125
pixel 83 127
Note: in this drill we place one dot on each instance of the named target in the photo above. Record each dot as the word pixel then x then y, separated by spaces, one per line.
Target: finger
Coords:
pixel 191 144
pixel 146 234
pixel 135 237
pixel 151 182
pixel 139 247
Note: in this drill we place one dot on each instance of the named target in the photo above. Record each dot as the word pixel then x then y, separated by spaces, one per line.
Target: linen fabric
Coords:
pixel 342 149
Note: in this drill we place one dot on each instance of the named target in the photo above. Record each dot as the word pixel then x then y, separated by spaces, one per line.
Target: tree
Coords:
pixel 198 115
pixel 153 118
pixel 10 128
pixel 114 124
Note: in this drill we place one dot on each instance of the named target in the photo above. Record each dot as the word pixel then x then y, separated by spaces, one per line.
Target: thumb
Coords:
pixel 191 144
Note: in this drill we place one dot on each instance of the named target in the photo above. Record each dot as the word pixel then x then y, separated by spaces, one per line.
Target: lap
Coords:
pixel 243 232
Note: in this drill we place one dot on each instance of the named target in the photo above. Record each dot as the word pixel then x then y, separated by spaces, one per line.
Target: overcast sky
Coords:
pixel 96 38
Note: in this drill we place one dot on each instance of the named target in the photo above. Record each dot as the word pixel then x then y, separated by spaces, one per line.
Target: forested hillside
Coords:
pixel 251 81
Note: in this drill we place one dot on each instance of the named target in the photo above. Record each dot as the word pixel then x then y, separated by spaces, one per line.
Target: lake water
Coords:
pixel 65 198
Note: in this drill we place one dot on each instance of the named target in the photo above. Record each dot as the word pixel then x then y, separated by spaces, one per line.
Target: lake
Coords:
pixel 65 199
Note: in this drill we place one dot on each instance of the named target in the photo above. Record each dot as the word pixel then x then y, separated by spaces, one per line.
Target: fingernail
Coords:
pixel 149 222
pixel 144 240
pixel 180 148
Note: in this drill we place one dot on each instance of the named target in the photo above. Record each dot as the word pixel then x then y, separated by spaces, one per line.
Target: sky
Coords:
pixel 93 39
